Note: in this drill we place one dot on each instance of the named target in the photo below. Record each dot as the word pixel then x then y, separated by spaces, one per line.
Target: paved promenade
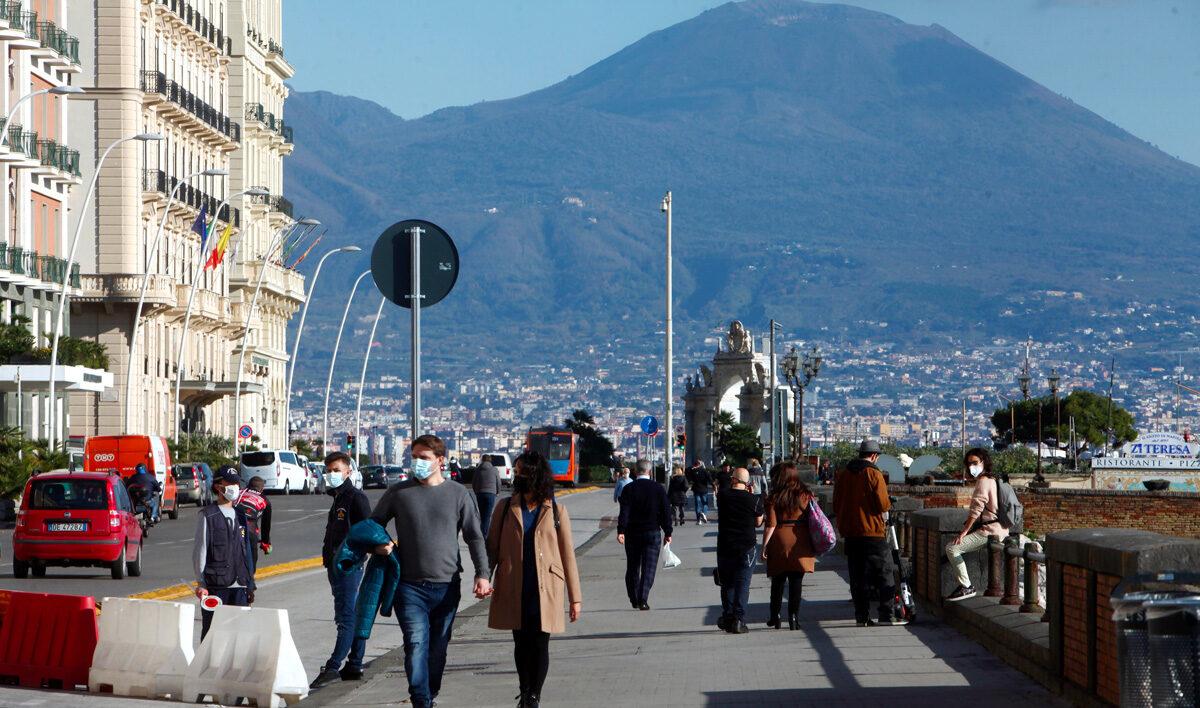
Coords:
pixel 673 655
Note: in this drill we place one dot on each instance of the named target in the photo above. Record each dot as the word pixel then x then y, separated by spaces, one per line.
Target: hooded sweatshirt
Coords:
pixel 860 499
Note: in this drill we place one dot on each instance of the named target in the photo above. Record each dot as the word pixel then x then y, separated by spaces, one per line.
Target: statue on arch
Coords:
pixel 706 376
pixel 738 341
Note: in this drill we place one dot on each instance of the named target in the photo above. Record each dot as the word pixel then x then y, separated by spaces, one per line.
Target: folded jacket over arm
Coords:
pixel 380 579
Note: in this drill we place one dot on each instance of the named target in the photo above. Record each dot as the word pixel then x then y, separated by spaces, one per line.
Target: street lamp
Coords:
pixel 799 373
pixel 150 255
pixel 241 368
pixel 1023 381
pixel 363 378
pixel 62 297
pixel 187 316
pixel 56 91
pixel 665 207
pixel 333 360
pixel 312 287
pixel 1052 381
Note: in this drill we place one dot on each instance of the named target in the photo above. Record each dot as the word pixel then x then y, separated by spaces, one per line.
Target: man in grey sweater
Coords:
pixel 487 487
pixel 428 515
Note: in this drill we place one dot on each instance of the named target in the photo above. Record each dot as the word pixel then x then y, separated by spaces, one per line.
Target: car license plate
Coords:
pixel 68 526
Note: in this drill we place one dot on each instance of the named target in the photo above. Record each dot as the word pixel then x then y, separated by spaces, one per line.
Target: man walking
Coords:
pixel 487 487
pixel 257 509
pixel 221 556
pixel 702 483
pixel 623 481
pixel 723 480
pixel 349 507
pixel 428 514
pixel 860 501
pixel 644 511
pixel 741 514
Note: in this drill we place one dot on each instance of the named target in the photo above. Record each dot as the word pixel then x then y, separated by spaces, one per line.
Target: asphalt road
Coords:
pixel 297 527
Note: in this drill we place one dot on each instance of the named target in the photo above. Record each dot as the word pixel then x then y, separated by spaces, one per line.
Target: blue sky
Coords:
pixel 1134 62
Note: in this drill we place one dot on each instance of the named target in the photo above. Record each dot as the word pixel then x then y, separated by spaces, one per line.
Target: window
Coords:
pixel 78 494
pixel 260 458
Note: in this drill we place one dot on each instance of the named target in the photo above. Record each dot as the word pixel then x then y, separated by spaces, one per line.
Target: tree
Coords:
pixel 15 338
pixel 302 447
pixel 719 428
pixel 1090 411
pixel 740 443
pixel 21 457
pixel 594 448
pixel 209 449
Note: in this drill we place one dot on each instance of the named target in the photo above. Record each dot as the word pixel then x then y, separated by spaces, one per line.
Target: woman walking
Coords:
pixel 677 491
pixel 533 561
pixel 787 547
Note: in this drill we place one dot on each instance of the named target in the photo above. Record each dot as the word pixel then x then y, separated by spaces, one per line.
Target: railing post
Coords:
pixel 1031 579
pixel 995 549
pixel 1012 573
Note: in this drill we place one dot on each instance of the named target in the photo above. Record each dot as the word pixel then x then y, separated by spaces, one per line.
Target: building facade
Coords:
pixel 178 69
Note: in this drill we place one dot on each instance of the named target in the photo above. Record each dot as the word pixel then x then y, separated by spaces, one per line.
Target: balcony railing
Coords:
pixel 4 256
pixel 274 201
pixel 55 38
pixel 274 47
pixel 21 19
pixel 16 258
pixel 22 141
pixel 256 112
pixel 159 181
pixel 59 156
pixel 157 82
pixel 205 27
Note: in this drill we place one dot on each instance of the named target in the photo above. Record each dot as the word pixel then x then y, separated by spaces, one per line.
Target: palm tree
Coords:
pixel 719 428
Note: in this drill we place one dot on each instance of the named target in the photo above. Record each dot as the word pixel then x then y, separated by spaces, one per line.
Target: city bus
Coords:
pixel 560 446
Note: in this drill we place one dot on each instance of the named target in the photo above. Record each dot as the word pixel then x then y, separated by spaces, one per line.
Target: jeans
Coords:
pixel 735 570
pixel 794 579
pixel 347 647
pixel 229 596
pixel 426 615
pixel 531 650
pixel 486 503
pixel 702 502
pixel 870 564
pixel 641 564
pixel 954 552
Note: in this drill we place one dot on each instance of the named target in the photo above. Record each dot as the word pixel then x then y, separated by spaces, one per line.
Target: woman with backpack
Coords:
pixel 787 546
pixel 983 520
pixel 533 561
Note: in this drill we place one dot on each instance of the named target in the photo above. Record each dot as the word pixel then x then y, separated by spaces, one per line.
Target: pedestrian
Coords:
pixel 825 476
pixel 741 514
pixel 257 508
pixel 860 501
pixel 349 507
pixel 221 556
pixel 724 479
pixel 622 481
pixel 530 548
pixel 702 484
pixel 983 520
pixel 787 546
pixel 758 477
pixel 428 514
pixel 644 513
pixel 456 472
pixel 677 490
pixel 487 487
pixel 617 464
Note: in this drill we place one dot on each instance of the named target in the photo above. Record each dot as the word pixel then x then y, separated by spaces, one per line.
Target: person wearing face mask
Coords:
pixel 222 558
pixel 983 520
pixel 349 507
pixel 428 514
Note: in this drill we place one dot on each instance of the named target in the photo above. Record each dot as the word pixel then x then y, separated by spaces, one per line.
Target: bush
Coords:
pixel 594 474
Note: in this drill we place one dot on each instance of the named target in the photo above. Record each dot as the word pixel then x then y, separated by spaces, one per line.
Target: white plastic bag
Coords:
pixel 670 560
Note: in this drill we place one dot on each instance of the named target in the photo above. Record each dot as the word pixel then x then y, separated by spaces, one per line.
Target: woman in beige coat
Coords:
pixel 533 562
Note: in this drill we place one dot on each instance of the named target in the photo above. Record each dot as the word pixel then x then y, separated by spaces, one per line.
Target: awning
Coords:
pixel 36 377
pixel 202 393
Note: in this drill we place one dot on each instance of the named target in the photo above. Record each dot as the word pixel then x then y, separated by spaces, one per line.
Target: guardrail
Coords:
pixel 1008 564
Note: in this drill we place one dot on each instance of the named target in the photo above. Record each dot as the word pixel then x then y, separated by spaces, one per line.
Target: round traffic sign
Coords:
pixel 245 431
pixel 650 425
pixel 391 262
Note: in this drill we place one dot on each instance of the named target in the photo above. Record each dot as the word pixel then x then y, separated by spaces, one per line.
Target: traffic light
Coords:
pixel 681 440
pixel 349 443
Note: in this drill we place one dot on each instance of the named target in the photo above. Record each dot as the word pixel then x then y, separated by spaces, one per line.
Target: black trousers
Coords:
pixel 531 650
pixel 870 564
pixel 679 511
pixel 641 563
pixel 229 596
pixel 794 580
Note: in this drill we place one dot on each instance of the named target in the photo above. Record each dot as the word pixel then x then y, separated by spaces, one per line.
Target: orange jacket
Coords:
pixel 860 499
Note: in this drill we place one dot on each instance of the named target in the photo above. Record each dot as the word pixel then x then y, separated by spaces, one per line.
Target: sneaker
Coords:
pixel 739 628
pixel 348 674
pixel 893 622
pixel 962 593
pixel 868 622
pixel 722 623
pixel 326 677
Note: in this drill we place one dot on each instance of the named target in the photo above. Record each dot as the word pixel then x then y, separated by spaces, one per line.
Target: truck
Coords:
pixel 123 453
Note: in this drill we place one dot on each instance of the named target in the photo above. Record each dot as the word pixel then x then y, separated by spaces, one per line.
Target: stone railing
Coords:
pixel 127 287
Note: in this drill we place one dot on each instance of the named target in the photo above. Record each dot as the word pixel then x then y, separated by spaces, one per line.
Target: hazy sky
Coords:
pixel 1135 62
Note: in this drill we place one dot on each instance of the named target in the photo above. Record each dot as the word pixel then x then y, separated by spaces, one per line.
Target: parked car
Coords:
pixel 396 474
pixel 208 477
pixel 503 464
pixel 190 486
pixel 123 453
pixel 76 519
pixel 318 471
pixel 279 469
pixel 375 476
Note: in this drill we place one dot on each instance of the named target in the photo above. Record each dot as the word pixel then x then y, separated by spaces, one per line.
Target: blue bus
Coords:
pixel 560 447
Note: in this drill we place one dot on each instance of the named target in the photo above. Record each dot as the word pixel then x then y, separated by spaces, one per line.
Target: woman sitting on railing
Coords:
pixel 983 520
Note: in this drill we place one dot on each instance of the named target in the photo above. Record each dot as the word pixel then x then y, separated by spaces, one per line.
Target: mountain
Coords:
pixel 831 167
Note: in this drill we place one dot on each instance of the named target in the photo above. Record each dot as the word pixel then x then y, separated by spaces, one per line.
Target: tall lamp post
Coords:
pixel 775 434
pixel 312 287
pixel 1052 381
pixel 799 373
pixel 665 206
pixel 362 380
pixel 333 360
pixel 62 296
pixel 150 255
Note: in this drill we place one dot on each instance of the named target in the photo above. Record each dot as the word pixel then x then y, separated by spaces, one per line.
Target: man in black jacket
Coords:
pixel 702 483
pixel 644 511
pixel 221 557
pixel 350 506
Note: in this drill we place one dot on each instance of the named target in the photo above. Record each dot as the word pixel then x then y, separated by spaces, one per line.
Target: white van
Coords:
pixel 503 464
pixel 279 469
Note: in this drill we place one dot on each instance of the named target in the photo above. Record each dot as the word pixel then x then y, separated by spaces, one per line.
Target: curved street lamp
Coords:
pixel 62 297
pixel 241 367
pixel 333 360
pixel 312 287
pixel 362 379
pixel 56 90
pixel 150 255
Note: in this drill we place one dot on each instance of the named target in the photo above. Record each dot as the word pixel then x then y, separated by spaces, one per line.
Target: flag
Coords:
pixel 201 225
pixel 314 243
pixel 218 252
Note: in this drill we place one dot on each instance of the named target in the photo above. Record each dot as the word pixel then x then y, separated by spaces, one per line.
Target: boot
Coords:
pixel 793 622
pixel 774 621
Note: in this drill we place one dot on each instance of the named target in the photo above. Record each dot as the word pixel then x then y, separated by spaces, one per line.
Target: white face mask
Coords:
pixel 421 468
pixel 975 470
pixel 334 480
pixel 231 492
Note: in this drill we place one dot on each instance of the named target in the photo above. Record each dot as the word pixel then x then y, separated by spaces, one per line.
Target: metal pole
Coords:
pixel 333 360
pixel 1108 430
pixel 362 379
pixel 964 435
pixel 20 409
pixel 669 444
pixel 774 413
pixel 800 427
pixel 414 301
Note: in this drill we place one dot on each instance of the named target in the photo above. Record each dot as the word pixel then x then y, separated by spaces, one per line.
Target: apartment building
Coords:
pixel 180 69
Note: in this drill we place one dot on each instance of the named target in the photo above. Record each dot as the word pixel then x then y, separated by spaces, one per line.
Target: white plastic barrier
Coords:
pixel 144 648
pixel 248 653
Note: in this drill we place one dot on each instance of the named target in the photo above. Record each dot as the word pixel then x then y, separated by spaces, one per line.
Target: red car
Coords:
pixel 76 519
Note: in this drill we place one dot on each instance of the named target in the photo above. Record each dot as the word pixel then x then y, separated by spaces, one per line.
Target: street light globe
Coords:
pixel 63 90
pixel 257 192
pixel 349 249
pixel 144 137
pixel 215 173
pixel 309 222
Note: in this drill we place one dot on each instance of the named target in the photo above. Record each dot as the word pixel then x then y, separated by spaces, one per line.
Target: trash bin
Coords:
pixel 1174 628
pixel 1137 664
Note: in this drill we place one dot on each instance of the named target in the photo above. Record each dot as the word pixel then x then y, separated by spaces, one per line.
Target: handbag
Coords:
pixel 819 528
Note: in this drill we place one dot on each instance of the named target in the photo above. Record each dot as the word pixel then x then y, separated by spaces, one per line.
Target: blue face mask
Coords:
pixel 334 479
pixel 421 469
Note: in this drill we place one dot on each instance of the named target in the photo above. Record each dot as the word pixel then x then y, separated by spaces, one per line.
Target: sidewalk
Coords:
pixel 673 655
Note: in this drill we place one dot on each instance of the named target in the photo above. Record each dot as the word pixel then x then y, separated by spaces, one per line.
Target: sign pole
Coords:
pixel 415 301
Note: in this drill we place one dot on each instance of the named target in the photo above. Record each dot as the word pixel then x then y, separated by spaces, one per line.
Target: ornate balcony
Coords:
pixel 156 83
pixel 126 288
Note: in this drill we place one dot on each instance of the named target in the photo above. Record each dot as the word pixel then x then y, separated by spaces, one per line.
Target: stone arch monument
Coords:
pixel 738 381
